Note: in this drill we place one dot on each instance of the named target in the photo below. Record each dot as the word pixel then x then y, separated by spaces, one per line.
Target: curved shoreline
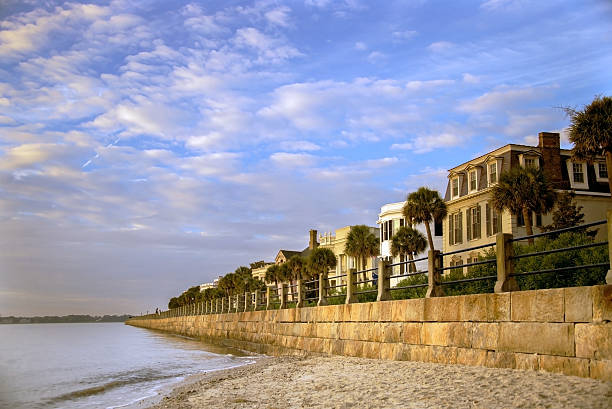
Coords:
pixel 341 382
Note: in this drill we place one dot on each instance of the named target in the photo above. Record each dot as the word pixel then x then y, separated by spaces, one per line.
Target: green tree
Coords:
pixel 173 303
pixel 408 241
pixel 273 274
pixel 523 191
pixel 361 243
pixel 590 131
pixel 297 268
pixel 566 213
pixel 424 206
pixel 320 261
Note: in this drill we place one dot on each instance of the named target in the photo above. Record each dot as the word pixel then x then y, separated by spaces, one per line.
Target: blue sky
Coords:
pixel 149 146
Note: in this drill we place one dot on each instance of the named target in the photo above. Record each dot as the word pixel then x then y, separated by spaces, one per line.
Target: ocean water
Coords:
pixel 105 365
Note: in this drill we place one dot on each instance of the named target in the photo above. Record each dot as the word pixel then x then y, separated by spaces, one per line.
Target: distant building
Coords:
pixel 336 243
pixel 260 272
pixel 473 221
pixel 390 219
pixel 209 285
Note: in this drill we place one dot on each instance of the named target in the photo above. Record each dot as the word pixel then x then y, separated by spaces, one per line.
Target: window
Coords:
pixel 455 228
pixel 578 172
pixel 520 220
pixel 538 222
pixel 601 170
pixel 492 174
pixel 456 262
pixel 530 162
pixel 473 223
pixel 473 181
pixel 455 187
pixel 387 230
pixel 493 220
pixel 402 222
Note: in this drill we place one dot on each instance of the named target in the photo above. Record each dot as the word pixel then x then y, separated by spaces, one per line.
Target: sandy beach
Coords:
pixel 341 382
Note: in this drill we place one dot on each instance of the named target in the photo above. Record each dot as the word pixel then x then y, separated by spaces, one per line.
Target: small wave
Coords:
pixel 95 390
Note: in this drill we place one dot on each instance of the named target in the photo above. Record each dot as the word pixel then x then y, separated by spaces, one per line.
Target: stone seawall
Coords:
pixel 564 330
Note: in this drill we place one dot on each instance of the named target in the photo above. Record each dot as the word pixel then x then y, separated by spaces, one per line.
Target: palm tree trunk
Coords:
pixel 528 228
pixel 364 264
pixel 411 266
pixel 429 239
pixel 609 166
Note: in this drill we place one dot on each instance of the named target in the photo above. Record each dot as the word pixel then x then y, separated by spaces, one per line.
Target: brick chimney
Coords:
pixel 313 244
pixel 549 144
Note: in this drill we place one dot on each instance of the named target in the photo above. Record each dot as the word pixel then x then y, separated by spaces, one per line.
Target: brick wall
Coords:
pixel 564 330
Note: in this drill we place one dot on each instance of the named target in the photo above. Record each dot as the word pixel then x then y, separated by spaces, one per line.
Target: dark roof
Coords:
pixel 290 253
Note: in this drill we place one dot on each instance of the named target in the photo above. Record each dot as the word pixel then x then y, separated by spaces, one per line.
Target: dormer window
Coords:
pixel 529 160
pixel 473 179
pixel 601 172
pixel 454 187
pixel 492 174
pixel 577 175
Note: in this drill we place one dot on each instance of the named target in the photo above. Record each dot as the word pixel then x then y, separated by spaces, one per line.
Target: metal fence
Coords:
pixel 352 286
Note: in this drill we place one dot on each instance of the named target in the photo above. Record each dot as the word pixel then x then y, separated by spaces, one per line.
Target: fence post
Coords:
pixel 434 289
pixel 350 286
pixel 609 225
pixel 268 291
pixel 257 299
pixel 505 266
pixel 384 282
pixel 283 296
pixel 300 294
pixel 322 289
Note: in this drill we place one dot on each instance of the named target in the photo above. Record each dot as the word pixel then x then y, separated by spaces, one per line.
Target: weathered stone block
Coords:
pixel 485 335
pixel 371 350
pixel 365 311
pixel 420 353
pixel 391 351
pixel 442 309
pixel 337 347
pixel 471 357
pixel 565 365
pixel 527 361
pixel 498 307
pixel 594 340
pixel 377 333
pixel 457 334
pixel 538 305
pixel 601 370
pixel 443 355
pixel 385 311
pixel 306 314
pixel 398 310
pixel 536 337
pixel 411 332
pixel 602 303
pixel 353 348
pixel 473 307
pixel 340 313
pixel 500 360
pixel 393 332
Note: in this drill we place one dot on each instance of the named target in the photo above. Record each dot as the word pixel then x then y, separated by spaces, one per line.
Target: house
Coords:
pixel 390 219
pixel 472 220
pixel 260 272
pixel 336 243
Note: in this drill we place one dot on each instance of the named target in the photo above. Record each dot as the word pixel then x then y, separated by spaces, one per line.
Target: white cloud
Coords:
pixel 279 16
pixel 361 46
pixel 427 143
pixel 503 98
pixel 376 57
pixel 270 49
pixel 425 85
pixel 470 79
pixel 299 146
pixel 293 160
pixel 493 5
pixel 440 46
pixel 403 35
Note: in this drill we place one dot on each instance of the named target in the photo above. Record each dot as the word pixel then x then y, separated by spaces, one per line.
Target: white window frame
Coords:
pixel 570 171
pixel 523 157
pixel 489 173
pixel 598 177
pixel 458 187
pixel 475 173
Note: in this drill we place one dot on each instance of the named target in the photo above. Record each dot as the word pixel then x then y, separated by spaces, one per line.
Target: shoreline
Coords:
pixel 345 382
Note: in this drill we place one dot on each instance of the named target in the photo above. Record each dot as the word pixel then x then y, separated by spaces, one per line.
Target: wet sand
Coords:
pixel 341 382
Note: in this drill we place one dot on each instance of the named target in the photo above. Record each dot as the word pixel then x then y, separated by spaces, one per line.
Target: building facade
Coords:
pixel 336 242
pixel 472 220
pixel 390 219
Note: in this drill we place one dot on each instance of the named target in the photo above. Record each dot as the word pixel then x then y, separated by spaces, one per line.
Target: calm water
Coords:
pixel 97 365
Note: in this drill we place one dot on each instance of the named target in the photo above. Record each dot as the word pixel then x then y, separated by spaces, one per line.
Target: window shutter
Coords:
pixel 488 218
pixel 390 229
pixel 459 239
pixel 478 231
pixel 468 222
pixel 451 230
pixel 499 222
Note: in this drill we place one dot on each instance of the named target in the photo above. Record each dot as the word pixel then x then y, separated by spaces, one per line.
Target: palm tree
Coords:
pixel 523 191
pixel 361 244
pixel 408 241
pixel 423 206
pixel 320 261
pixel 273 274
pixel 591 131
pixel 296 266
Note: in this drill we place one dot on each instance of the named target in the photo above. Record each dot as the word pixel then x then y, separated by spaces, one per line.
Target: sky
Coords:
pixel 149 146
